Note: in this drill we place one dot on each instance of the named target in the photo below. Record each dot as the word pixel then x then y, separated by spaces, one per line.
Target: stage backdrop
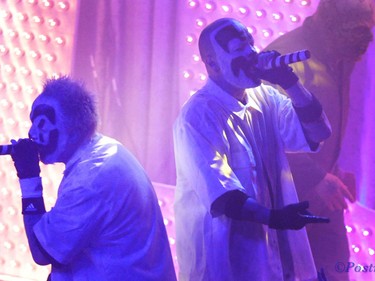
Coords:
pixel 141 59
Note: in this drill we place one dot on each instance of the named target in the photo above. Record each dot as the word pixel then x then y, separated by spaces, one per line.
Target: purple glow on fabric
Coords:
pixel 367 183
pixel 358 143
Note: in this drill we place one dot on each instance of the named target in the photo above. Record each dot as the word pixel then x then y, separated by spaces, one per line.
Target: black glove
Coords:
pixel 283 76
pixel 293 216
pixel 26 158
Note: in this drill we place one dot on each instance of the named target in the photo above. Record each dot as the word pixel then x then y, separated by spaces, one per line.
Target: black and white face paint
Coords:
pixel 44 130
pixel 236 55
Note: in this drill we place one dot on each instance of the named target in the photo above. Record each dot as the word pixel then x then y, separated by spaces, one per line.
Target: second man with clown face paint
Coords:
pixel 106 223
pixel 237 213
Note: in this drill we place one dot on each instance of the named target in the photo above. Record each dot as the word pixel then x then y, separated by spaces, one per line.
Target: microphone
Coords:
pixel 6 149
pixel 282 60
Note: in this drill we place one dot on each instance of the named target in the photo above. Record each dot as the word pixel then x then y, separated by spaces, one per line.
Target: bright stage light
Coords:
pixel 35 41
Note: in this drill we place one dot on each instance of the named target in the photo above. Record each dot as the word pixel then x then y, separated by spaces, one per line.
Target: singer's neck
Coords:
pixel 235 92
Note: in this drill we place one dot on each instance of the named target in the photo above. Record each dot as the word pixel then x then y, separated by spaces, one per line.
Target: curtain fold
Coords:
pixel 359 149
pixel 126 52
pixel 132 54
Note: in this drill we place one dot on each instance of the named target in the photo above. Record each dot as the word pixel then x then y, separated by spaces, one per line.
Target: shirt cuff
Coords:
pixel 311 112
pixel 33 206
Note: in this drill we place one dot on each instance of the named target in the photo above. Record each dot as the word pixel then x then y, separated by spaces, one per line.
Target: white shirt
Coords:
pixel 106 224
pixel 218 143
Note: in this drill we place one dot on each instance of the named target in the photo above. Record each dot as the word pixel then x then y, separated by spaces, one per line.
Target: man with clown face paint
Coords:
pixel 237 213
pixel 235 47
pixel 106 223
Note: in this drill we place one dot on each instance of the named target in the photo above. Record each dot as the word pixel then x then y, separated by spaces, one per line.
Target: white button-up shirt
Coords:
pixel 222 145
pixel 106 224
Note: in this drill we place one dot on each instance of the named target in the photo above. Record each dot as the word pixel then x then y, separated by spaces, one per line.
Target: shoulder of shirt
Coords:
pixel 100 149
pixel 199 104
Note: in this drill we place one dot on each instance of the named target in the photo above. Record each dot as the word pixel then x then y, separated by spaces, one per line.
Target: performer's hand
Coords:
pixel 333 192
pixel 293 216
pixel 283 76
pixel 26 158
pixel 349 179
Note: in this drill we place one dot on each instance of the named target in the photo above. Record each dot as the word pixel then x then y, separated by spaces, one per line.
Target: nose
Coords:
pixel 32 133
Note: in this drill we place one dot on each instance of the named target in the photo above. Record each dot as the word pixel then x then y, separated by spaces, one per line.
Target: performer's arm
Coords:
pixel 310 112
pixel 239 206
pixel 26 162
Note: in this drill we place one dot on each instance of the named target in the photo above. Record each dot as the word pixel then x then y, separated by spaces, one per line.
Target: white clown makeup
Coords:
pixel 236 55
pixel 43 130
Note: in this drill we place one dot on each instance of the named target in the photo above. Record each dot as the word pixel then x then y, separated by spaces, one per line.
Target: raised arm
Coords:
pixel 309 110
pixel 26 162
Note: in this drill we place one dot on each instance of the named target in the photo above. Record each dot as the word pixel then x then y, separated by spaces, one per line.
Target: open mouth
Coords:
pixel 241 64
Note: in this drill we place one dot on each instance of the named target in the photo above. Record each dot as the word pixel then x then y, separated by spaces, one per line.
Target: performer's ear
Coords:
pixel 211 63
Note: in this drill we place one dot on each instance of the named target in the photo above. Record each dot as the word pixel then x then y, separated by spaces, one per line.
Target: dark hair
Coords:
pixel 76 103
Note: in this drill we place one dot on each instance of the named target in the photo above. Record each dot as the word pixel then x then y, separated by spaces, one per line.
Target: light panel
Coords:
pixel 360 229
pixel 36 39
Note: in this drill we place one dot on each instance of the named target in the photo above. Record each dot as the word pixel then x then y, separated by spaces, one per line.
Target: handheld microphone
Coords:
pixel 6 149
pixel 283 60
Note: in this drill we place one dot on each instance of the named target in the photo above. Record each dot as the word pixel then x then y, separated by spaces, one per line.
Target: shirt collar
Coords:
pixel 79 153
pixel 230 102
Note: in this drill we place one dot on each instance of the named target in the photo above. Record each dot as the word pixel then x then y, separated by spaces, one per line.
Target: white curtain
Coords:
pixel 132 54
pixel 359 150
pixel 127 52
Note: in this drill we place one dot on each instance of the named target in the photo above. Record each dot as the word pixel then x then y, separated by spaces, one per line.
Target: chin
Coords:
pixel 256 82
pixel 253 82
pixel 245 83
pixel 47 158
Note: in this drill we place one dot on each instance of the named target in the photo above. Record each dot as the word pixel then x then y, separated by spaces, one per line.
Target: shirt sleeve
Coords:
pixel 201 150
pixel 295 138
pixel 71 224
pixel 288 123
pixel 314 123
pixel 298 135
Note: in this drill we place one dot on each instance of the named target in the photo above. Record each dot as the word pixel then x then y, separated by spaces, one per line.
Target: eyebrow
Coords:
pixel 46 110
